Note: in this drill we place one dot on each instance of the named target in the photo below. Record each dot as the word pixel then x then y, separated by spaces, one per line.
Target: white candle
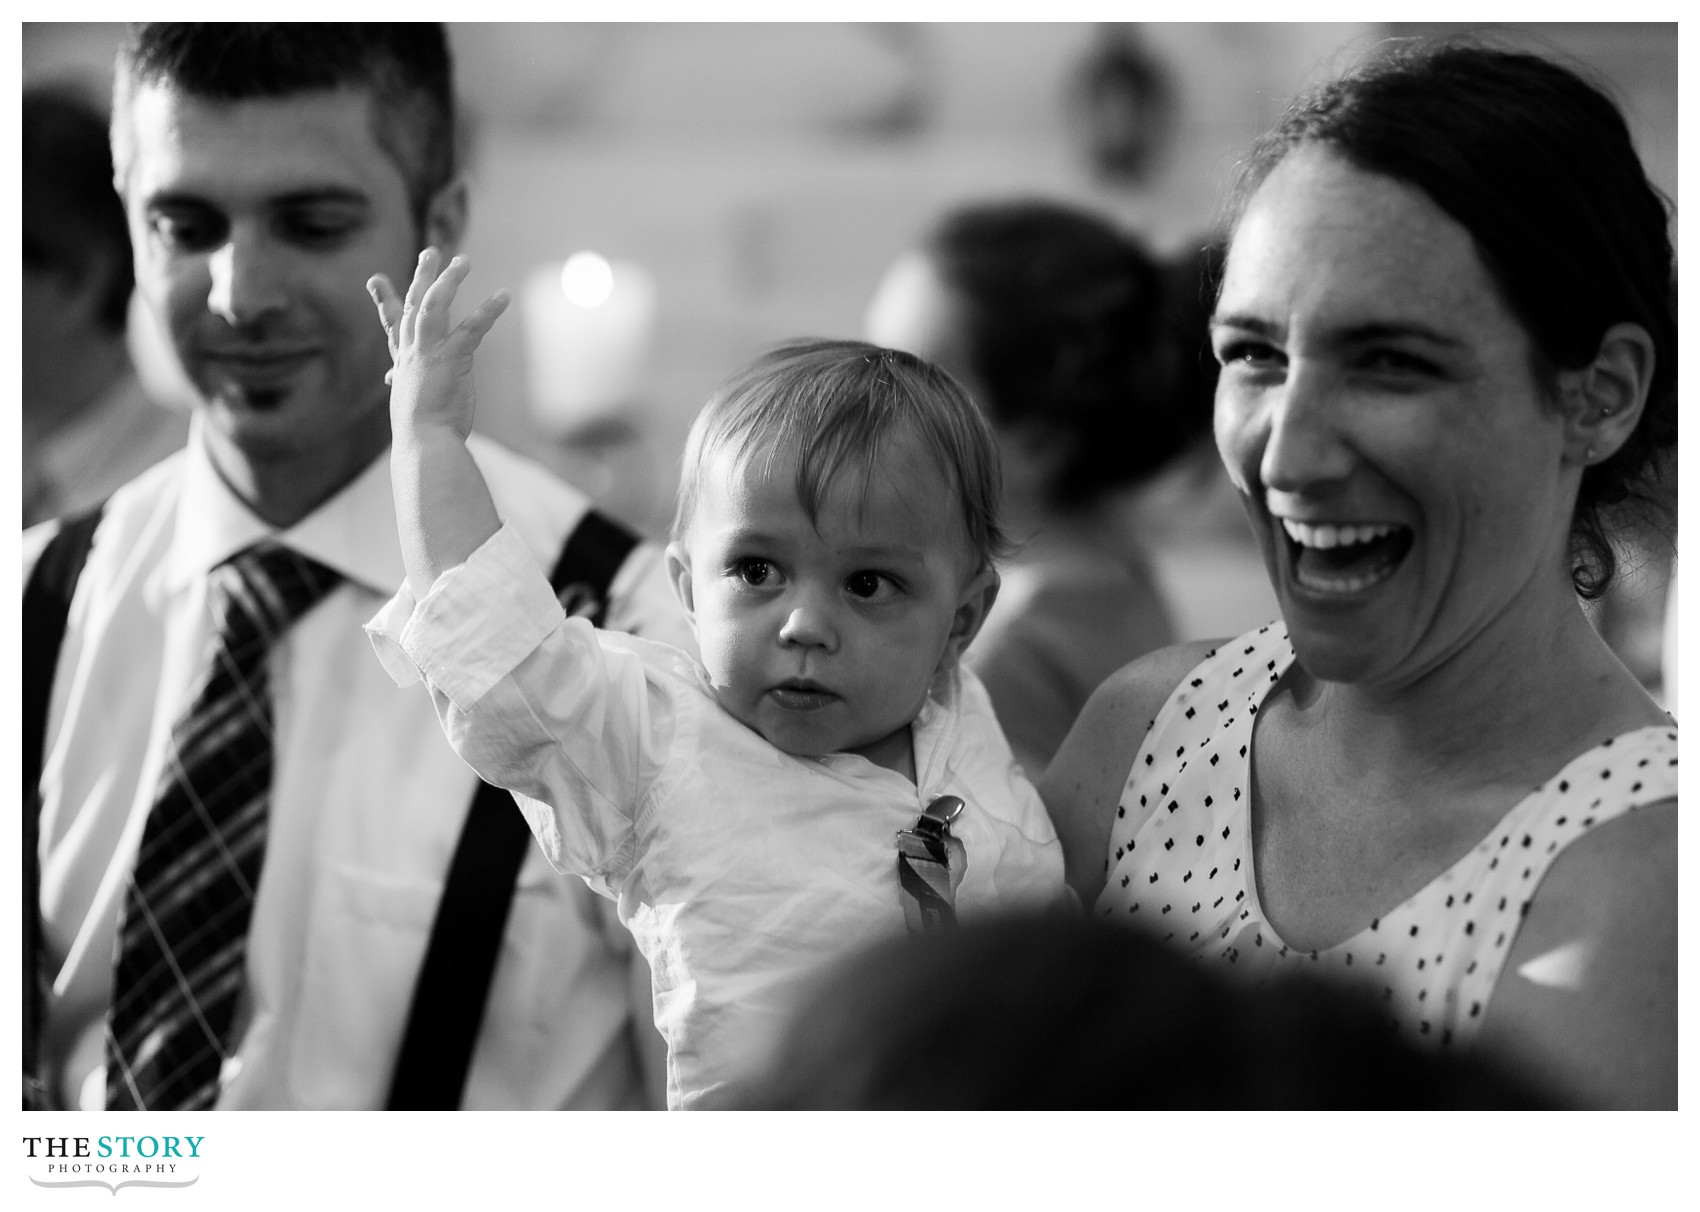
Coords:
pixel 589 337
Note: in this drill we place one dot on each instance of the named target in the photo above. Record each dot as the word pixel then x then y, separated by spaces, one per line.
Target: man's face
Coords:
pixel 256 224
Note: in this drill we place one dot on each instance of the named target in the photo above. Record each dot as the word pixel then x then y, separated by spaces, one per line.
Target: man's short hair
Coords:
pixel 404 66
pixel 71 215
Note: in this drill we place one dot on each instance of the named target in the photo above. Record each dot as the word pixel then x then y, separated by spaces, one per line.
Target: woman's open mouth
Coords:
pixel 1336 559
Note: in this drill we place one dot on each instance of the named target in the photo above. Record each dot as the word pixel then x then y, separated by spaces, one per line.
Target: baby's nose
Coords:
pixel 806 626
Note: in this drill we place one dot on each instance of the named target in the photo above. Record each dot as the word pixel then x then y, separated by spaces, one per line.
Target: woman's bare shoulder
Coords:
pixel 1084 781
pixel 1588 998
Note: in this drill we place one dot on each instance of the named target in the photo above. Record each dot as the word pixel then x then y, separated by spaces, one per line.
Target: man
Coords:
pixel 87 424
pixel 267 172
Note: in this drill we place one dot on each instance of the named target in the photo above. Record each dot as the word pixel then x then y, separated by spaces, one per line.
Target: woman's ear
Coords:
pixel 971 610
pixel 679 574
pixel 1602 401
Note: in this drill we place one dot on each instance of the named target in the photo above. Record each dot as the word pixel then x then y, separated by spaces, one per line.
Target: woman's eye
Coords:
pixel 1397 361
pixel 1250 353
pixel 866 585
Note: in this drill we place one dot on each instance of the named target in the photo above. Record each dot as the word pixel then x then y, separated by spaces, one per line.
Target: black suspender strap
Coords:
pixel 930 862
pixel 47 603
pixel 466 937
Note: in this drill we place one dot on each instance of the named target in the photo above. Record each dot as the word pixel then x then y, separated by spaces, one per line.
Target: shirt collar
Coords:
pixel 353 531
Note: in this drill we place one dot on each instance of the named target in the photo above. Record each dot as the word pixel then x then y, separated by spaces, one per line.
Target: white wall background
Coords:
pixel 753 171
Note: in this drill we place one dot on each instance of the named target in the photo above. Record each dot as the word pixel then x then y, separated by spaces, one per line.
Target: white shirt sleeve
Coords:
pixel 534 701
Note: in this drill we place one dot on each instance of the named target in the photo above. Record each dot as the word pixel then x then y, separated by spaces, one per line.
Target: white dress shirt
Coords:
pixel 739 868
pixel 367 805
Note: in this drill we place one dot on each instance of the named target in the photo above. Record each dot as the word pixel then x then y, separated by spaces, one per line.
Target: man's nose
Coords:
pixel 249 279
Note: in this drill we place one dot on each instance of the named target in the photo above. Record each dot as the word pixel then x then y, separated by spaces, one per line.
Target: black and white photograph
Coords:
pixel 1120 573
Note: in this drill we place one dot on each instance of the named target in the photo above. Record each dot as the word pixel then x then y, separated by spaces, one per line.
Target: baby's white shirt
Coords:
pixel 738 868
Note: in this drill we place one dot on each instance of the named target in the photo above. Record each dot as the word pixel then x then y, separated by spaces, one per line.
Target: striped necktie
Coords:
pixel 182 942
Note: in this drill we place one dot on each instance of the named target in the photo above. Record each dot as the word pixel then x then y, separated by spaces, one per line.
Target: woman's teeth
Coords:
pixel 1326 536
pixel 1336 559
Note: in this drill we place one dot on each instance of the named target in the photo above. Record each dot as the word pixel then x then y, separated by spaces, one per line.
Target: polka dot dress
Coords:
pixel 1435 959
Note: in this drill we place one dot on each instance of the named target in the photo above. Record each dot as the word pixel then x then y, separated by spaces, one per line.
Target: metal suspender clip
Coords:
pixel 929 866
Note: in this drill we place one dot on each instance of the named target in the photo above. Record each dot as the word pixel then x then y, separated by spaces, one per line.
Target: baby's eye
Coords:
pixel 755 572
pixel 868 586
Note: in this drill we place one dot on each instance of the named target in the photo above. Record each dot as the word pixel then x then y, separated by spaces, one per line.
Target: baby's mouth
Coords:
pixel 1343 559
pixel 802 694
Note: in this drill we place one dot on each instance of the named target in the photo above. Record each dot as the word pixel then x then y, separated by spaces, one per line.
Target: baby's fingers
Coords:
pixel 389 307
pixel 479 319
pixel 424 274
pixel 439 297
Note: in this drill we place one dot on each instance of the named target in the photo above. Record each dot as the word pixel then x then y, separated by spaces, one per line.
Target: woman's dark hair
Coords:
pixel 1537 164
pixel 1069 325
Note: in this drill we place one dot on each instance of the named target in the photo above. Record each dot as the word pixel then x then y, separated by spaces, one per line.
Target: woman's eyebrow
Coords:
pixel 1357 334
pixel 1253 324
pixel 1394 330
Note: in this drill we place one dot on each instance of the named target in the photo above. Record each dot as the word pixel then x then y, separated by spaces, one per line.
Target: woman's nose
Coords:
pixel 1304 446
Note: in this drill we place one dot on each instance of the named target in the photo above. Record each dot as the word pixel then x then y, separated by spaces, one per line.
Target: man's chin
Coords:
pixel 236 401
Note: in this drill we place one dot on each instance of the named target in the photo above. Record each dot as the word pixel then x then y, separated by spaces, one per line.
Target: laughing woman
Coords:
pixel 1448 340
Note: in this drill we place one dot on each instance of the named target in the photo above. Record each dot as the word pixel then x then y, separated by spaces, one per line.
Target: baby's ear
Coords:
pixel 679 573
pixel 971 610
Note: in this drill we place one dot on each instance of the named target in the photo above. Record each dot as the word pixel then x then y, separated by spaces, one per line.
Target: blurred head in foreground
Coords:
pixel 1047 1014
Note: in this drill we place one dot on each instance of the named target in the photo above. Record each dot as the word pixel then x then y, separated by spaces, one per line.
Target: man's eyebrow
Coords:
pixel 336 194
pixel 316 195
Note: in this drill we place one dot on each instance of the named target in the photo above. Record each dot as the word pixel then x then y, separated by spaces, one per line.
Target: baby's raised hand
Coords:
pixel 431 376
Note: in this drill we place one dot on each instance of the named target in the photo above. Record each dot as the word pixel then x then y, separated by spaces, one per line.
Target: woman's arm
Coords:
pixel 1588 999
pixel 1083 784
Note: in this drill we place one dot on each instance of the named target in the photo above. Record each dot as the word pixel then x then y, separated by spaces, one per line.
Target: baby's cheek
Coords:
pixel 725 659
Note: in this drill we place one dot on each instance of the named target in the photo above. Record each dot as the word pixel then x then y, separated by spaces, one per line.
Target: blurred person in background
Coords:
pixel 88 425
pixel 1059 325
pixel 1055 1014
pixel 264 878
pixel 1447 332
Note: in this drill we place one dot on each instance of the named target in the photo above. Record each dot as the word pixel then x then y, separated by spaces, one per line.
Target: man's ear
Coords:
pixel 1602 401
pixel 445 217
pixel 679 573
pixel 971 610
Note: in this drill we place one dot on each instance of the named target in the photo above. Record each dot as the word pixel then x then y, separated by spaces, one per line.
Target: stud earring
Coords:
pixel 1606 410
pixel 1588 455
